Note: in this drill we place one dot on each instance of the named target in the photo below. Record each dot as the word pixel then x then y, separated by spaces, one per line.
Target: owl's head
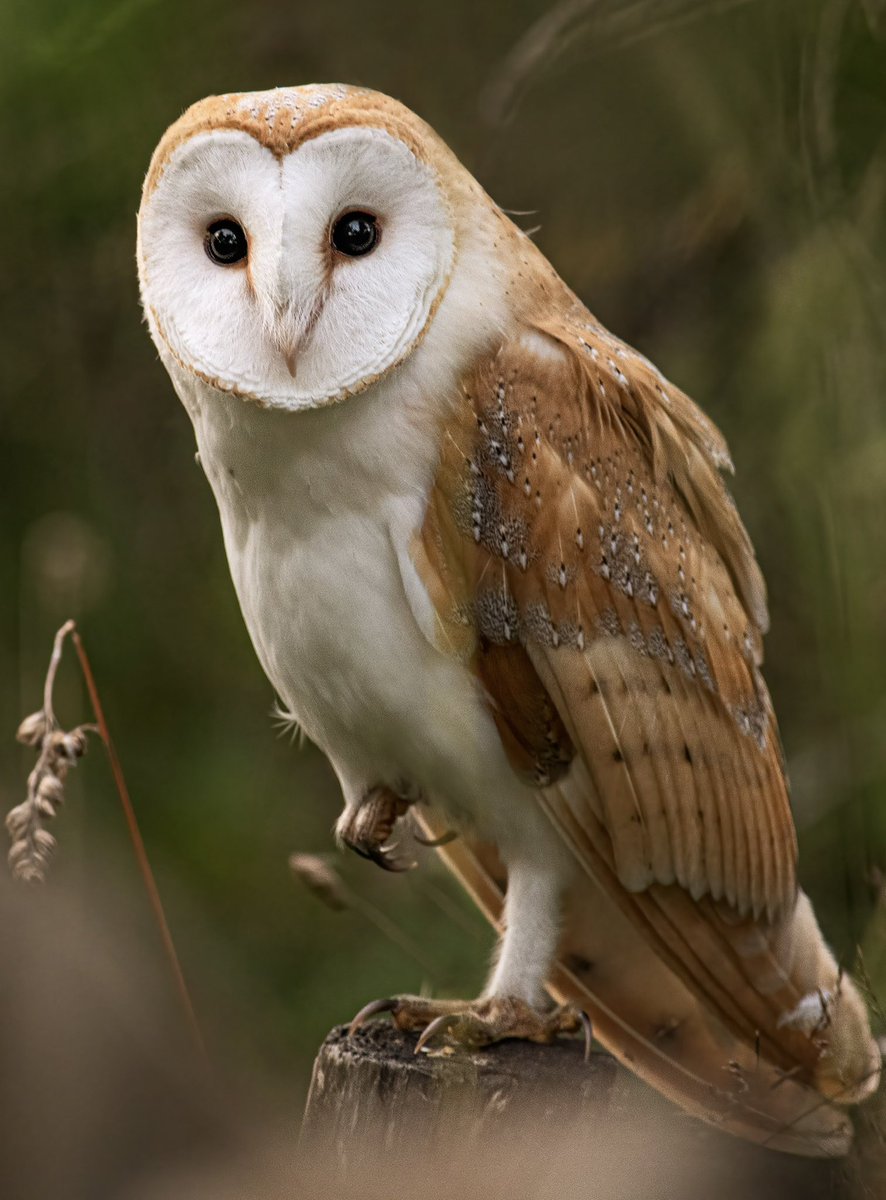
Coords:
pixel 293 245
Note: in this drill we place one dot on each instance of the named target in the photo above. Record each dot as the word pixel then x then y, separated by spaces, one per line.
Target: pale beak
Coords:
pixel 288 344
pixel 291 328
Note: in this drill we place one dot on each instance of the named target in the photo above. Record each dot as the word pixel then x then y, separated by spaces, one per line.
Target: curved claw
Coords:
pixel 371 1010
pixel 439 1023
pixel 443 840
pixel 382 855
pixel 588 1026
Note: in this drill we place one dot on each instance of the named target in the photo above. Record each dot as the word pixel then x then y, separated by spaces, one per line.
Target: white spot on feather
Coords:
pixel 812 1013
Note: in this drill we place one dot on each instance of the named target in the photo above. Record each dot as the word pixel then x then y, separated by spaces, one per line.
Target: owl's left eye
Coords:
pixel 226 242
pixel 355 234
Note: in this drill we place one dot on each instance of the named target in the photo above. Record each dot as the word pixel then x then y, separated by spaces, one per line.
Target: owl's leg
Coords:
pixel 532 928
pixel 513 1004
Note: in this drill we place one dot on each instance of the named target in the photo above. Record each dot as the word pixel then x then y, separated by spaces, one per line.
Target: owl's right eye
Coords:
pixel 226 242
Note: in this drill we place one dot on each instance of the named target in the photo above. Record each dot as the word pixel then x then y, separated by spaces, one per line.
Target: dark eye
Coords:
pixel 355 233
pixel 226 242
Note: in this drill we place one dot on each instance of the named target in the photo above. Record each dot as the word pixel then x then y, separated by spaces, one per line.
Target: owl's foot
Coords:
pixel 367 829
pixel 472 1024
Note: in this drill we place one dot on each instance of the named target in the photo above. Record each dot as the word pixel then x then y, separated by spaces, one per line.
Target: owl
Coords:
pixel 487 560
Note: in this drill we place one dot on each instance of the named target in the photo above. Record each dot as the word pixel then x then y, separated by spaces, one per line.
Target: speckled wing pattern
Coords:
pixel 597 573
pixel 585 559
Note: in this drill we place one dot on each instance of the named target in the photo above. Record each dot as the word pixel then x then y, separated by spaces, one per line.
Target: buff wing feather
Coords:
pixel 566 523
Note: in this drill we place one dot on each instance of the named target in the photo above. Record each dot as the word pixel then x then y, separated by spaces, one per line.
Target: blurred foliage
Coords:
pixel 709 176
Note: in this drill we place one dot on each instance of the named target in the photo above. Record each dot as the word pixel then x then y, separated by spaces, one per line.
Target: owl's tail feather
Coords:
pixel 830 1010
pixel 749 1027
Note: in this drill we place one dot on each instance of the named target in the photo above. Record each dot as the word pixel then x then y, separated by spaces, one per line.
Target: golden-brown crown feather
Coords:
pixel 283 119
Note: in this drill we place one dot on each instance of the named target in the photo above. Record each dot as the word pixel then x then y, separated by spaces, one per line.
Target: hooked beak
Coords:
pixel 287 339
pixel 291 334
pixel 290 327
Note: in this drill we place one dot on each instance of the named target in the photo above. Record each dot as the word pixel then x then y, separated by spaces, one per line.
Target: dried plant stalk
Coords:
pixel 613 24
pixel 58 752
pixel 321 879
pixel 32 844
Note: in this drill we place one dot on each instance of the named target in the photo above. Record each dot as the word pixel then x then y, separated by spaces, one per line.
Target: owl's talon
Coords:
pixel 588 1027
pixel 383 857
pixel 443 840
pixel 473 1025
pixel 444 1021
pixel 366 828
pixel 372 1009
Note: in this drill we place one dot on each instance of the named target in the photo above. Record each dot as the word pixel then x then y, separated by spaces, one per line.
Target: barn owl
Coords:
pixel 487 560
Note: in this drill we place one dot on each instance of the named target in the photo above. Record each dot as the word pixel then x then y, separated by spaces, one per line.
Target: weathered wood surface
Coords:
pixel 372 1089
pixel 376 1107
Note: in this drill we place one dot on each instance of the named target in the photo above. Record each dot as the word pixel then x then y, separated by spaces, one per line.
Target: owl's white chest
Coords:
pixel 318 509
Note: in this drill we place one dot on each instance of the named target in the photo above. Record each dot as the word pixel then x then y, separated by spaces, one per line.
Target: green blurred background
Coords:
pixel 710 177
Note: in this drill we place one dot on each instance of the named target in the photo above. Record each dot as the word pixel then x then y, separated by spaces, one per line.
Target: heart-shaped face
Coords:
pixel 293 245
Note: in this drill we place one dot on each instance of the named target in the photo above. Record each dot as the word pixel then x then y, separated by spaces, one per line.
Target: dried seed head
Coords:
pixel 44 841
pixel 74 743
pixel 55 743
pixel 51 791
pixel 23 864
pixel 57 752
pixel 32 729
pixel 45 808
pixel 320 878
pixel 17 820
pixel 30 854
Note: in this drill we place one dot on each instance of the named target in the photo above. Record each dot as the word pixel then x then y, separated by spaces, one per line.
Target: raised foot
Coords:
pixel 368 828
pixel 472 1024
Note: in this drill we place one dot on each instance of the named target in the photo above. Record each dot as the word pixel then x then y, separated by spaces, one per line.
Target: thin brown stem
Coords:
pixel 52 670
pixel 392 931
pixel 138 844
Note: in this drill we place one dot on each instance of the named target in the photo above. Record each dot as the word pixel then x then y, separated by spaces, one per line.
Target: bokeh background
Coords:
pixel 709 176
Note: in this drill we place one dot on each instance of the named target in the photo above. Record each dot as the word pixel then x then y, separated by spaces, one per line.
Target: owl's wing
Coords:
pixel 586 561
pixel 593 556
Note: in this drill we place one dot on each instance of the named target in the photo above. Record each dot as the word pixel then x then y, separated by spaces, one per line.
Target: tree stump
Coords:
pixel 518 1119
pixel 373 1089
